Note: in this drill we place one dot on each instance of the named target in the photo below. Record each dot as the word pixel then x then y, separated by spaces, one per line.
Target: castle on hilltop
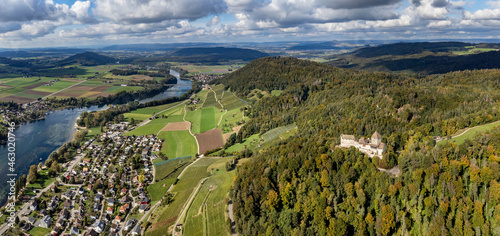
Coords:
pixel 371 147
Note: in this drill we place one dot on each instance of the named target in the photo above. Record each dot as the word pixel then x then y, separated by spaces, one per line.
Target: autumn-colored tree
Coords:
pixel 33 174
pixel 272 199
pixel 386 222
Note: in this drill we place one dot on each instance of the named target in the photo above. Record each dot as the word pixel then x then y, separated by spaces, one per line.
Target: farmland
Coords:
pixel 178 143
pixel 211 101
pixel 210 140
pixel 166 216
pixel 207 69
pixel 203 119
pixel 207 213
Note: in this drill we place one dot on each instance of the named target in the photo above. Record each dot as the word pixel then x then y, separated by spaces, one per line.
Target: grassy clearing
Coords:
pixel 42 181
pixel 231 119
pixel 166 216
pixel 207 213
pixel 473 50
pixel 250 143
pixel 276 92
pixel 277 132
pixel 470 133
pixel 178 143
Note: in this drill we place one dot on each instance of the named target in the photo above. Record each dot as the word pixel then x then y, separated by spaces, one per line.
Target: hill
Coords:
pixel 305 185
pixel 87 59
pixel 215 54
pixel 425 58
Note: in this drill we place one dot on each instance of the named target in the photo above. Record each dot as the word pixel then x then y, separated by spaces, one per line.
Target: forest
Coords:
pixel 308 186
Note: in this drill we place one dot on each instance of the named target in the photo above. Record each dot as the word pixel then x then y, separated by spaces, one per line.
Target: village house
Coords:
pixel 371 147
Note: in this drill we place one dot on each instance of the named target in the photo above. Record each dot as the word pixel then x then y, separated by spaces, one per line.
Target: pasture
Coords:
pixel 469 133
pixel 178 144
pixel 203 119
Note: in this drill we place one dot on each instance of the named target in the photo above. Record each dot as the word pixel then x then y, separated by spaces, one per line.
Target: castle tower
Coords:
pixel 376 138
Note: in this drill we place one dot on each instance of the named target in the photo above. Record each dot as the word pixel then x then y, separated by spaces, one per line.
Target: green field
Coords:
pixel 42 181
pixel 469 134
pixel 166 216
pixel 167 167
pixel 473 50
pixel 145 113
pixel 159 189
pixel 56 86
pixel 210 101
pixel 203 119
pixel 250 143
pixel 207 213
pixel 218 90
pixel 178 144
pixel 38 231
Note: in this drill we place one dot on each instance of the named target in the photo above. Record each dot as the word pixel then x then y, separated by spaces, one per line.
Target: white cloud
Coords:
pixel 213 21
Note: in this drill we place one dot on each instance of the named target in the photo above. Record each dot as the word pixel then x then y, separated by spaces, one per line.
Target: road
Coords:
pixel 184 119
pixel 231 217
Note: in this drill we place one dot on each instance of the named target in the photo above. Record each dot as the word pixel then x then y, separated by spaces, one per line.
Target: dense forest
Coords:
pixel 307 186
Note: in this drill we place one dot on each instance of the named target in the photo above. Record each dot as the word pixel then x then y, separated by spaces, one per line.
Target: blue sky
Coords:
pixel 56 23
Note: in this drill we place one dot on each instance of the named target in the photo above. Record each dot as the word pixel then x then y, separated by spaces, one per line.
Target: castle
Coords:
pixel 371 147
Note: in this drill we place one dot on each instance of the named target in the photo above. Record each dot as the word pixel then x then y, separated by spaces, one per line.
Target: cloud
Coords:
pixel 213 21
pixel 150 11
pixel 353 4
pixel 27 10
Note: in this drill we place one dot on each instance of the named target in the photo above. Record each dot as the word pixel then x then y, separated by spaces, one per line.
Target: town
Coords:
pixel 100 190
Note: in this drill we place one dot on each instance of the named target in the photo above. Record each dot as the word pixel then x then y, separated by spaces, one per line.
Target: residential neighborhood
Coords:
pixel 100 191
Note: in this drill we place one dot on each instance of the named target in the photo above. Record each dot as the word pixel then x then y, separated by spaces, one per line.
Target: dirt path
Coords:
pixel 395 171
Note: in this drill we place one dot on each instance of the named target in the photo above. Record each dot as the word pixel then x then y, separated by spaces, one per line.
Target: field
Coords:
pixel 159 189
pixel 250 143
pixel 176 126
pixel 207 213
pixel 178 144
pixel 203 119
pixel 210 140
pixel 166 216
pixel 211 101
pixel 473 50
pixel 145 113
pixel 38 231
pixel 469 133
pixel 13 87
pixel 218 90
pixel 165 168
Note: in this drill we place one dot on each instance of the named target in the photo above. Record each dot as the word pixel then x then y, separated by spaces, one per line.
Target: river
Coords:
pixel 36 140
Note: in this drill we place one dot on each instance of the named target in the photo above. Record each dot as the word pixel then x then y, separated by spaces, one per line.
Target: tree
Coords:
pixel 386 222
pixel 33 174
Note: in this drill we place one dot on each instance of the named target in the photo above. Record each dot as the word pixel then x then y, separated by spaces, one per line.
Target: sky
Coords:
pixel 81 23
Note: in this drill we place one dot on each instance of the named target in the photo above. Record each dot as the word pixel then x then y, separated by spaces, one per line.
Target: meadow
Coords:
pixel 462 135
pixel 178 144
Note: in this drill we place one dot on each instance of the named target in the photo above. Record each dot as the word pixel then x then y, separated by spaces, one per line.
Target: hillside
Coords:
pixel 87 59
pixel 215 54
pixel 306 186
pixel 425 58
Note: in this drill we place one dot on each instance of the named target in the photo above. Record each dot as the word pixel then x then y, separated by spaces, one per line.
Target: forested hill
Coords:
pixel 423 58
pixel 306 186
pixel 87 59
pixel 215 55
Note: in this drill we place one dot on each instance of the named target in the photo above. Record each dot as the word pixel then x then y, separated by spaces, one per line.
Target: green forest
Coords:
pixel 306 186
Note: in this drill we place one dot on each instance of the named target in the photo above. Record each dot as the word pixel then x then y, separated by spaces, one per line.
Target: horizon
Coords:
pixel 98 23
